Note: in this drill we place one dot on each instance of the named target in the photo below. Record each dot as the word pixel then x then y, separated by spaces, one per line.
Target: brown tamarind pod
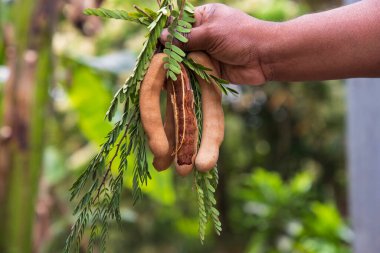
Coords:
pixel 213 116
pixel 150 113
pixel 186 128
pixel 164 162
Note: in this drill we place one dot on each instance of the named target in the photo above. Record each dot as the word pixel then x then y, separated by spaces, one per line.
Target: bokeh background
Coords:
pixel 282 166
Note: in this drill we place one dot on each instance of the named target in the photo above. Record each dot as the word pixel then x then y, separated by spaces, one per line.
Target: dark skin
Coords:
pixel 336 44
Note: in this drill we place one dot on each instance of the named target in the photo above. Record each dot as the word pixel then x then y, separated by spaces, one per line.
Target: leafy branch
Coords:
pixel 136 17
pixel 181 24
pixel 132 85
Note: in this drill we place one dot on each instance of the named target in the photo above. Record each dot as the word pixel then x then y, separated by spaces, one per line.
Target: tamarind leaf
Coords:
pixel 175 69
pixel 220 80
pixel 179 51
pixel 189 5
pixel 115 14
pixel 172 76
pixel 176 57
pixel 180 37
pixel 171 61
pixel 233 91
pixel 183 30
pixel 184 24
pixel 212 189
pixel 188 19
pixel 174 63
pixel 173 55
pixel 151 13
pixel 189 9
pixel 144 21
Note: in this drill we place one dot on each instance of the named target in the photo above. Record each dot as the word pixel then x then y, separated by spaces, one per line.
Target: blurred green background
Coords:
pixel 282 168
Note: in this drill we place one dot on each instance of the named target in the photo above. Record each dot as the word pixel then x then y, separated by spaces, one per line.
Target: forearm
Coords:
pixel 336 44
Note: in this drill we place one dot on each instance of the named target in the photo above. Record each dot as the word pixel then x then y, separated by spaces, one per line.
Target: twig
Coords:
pixel 143 12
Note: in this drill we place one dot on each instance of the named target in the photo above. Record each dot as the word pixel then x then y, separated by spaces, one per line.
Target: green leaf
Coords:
pixel 184 24
pixel 233 91
pixel 220 80
pixel 189 5
pixel 189 9
pixel 188 18
pixel 180 37
pixel 172 76
pixel 183 30
pixel 175 63
pixel 151 13
pixel 115 14
pixel 175 69
pixel 173 55
pixel 178 51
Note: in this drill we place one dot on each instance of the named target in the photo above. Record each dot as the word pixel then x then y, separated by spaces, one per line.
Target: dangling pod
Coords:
pixel 150 112
pixel 213 116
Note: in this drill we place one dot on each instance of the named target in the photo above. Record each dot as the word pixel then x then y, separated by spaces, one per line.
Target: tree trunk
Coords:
pixel 29 57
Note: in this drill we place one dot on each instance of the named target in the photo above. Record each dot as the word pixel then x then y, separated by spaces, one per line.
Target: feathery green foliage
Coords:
pixel 138 17
pixel 205 183
pixel 181 24
pixel 99 187
pixel 202 72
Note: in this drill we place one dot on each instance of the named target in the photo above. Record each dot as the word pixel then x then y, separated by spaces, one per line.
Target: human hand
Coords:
pixel 232 39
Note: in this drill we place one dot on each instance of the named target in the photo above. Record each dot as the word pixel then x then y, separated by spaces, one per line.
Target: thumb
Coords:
pixel 198 39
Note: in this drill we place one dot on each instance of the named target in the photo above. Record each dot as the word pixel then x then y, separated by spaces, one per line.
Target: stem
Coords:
pixel 143 12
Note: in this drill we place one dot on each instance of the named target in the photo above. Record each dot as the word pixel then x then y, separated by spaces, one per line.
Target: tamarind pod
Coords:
pixel 186 132
pixel 164 162
pixel 150 113
pixel 213 116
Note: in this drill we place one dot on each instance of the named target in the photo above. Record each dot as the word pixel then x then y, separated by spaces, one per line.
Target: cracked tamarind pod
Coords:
pixel 149 102
pixel 186 128
pixel 213 116
pixel 164 162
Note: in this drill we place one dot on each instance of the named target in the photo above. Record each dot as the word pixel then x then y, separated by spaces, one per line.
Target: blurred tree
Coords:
pixel 29 58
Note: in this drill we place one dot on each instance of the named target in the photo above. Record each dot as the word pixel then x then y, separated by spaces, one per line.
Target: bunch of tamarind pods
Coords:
pixel 177 139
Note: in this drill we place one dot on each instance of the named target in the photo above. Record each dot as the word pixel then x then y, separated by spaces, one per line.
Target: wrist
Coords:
pixel 267 44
